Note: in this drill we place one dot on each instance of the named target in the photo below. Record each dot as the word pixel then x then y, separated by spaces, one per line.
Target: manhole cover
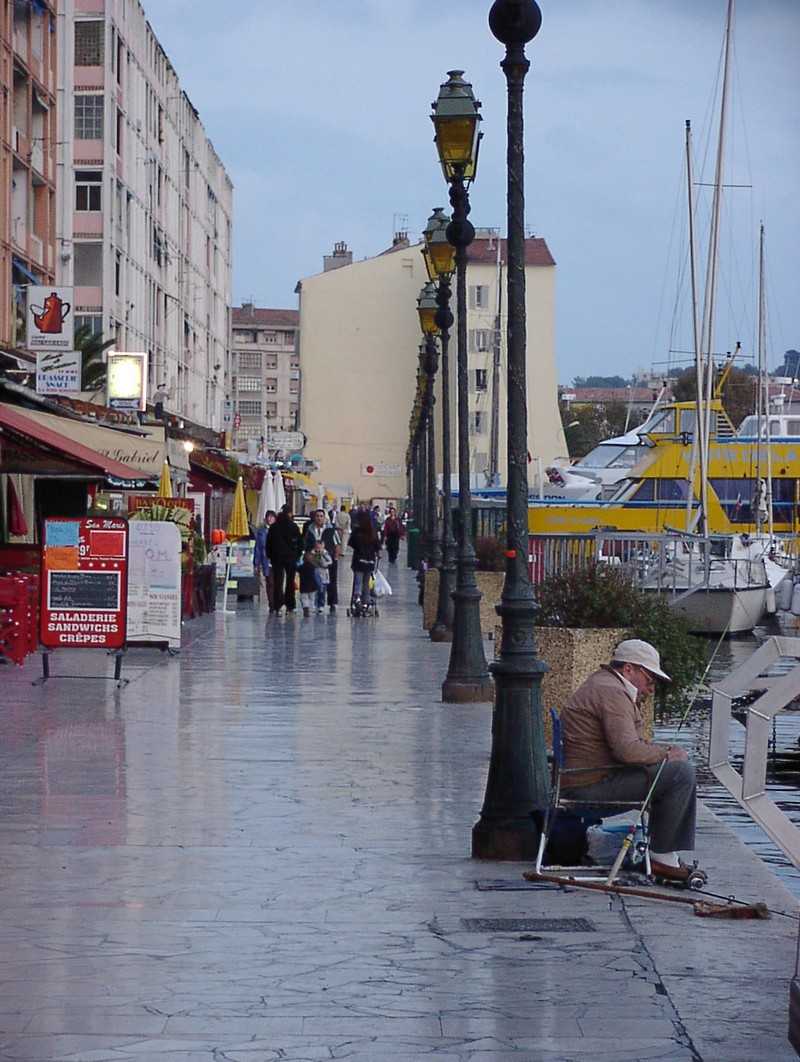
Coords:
pixel 528 925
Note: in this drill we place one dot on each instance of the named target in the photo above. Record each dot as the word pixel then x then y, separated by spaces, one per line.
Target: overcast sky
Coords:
pixel 320 113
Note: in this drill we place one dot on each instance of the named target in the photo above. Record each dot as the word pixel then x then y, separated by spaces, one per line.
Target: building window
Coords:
pixel 89 43
pixel 270 337
pixel 249 431
pixel 249 383
pixel 271 386
pixel 89 117
pixel 479 339
pixel 92 321
pixel 249 408
pixel 88 190
pixel 477 422
pixel 88 265
pixel 250 359
pixel 479 296
pixel 481 382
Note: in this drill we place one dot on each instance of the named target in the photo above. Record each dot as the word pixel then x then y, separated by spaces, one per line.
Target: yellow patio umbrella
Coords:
pixel 165 483
pixel 238 526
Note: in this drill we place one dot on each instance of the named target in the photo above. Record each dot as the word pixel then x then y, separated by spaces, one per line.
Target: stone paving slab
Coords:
pixel 260 849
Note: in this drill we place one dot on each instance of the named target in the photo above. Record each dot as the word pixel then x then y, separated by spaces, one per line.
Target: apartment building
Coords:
pixel 486 343
pixel 360 336
pixel 27 158
pixel 265 373
pixel 145 206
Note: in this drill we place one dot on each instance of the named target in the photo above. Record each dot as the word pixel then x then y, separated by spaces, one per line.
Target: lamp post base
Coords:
pixel 510 840
pixel 440 633
pixel 464 691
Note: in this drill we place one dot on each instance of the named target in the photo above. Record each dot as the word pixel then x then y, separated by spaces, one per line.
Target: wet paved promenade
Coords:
pixel 259 850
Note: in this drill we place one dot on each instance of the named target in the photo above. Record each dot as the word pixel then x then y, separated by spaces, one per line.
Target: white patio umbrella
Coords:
pixel 266 498
pixel 280 493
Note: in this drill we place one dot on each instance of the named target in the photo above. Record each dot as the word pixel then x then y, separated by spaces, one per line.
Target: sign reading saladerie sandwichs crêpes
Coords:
pixel 84 582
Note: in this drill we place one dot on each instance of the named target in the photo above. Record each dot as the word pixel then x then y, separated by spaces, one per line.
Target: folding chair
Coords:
pixel 582 808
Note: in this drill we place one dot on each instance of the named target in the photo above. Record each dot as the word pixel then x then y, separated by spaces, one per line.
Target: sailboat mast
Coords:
pixel 763 389
pixel 698 442
pixel 709 303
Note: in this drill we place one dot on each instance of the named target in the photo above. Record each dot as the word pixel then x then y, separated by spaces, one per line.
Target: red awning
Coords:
pixel 15 421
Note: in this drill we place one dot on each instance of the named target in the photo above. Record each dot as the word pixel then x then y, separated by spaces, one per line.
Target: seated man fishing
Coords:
pixel 608 758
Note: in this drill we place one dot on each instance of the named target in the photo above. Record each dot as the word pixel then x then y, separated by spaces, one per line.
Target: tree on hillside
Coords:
pixel 599 381
pixel 739 393
pixel 790 366
pixel 93 364
pixel 586 424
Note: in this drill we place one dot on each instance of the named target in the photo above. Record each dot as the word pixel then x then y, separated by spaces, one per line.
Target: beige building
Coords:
pixel 265 373
pixel 359 342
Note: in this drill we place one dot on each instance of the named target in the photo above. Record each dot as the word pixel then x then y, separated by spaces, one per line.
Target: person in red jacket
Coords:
pixel 391 534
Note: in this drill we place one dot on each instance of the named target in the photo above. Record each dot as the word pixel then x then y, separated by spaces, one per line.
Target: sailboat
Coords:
pixel 720 587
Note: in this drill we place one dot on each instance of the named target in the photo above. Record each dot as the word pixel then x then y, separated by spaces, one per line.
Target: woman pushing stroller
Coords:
pixel 366 546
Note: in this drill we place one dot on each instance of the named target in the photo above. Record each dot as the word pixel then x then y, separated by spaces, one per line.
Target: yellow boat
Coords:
pixel 661 492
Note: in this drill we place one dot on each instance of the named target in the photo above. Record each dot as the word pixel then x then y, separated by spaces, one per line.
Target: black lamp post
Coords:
pixel 457 120
pixel 517 785
pixel 419 444
pixel 440 262
pixel 429 358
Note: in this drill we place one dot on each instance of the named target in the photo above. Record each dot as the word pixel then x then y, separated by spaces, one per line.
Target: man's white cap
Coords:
pixel 635 651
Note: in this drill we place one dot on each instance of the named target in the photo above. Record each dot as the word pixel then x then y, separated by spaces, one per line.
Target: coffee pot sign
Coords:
pixel 50 324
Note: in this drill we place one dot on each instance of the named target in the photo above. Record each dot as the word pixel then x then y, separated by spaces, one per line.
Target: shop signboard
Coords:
pixel 49 326
pixel 154 583
pixel 126 380
pixel 58 372
pixel 84 582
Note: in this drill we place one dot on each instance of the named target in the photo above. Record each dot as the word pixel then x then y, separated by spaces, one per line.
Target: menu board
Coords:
pixel 154 583
pixel 84 582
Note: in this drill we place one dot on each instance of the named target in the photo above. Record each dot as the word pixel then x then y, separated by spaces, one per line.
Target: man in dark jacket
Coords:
pixel 284 548
pixel 319 530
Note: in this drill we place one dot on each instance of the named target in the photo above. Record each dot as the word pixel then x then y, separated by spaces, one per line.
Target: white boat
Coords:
pixel 719 592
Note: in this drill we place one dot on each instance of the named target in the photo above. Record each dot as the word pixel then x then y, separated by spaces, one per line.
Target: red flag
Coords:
pixel 15 518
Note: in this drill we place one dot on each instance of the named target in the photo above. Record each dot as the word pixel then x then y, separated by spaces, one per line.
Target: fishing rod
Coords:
pixel 628 841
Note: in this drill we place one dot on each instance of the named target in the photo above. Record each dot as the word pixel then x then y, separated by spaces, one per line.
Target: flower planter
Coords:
pixel 571 655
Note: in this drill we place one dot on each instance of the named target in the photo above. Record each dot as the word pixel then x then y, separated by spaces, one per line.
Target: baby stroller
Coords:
pixel 362 600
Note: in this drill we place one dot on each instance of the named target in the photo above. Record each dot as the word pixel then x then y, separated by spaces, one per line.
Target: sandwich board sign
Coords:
pixel 84 583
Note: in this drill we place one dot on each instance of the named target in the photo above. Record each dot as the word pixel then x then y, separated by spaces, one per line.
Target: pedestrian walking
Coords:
pixel 391 534
pixel 284 547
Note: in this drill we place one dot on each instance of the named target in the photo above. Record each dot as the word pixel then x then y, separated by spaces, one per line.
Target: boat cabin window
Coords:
pixel 661 490
pixel 664 424
pixel 736 498
pixel 752 427
pixel 607 456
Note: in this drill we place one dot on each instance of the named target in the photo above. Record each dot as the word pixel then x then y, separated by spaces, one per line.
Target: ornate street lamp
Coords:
pixel 517 785
pixel 456 119
pixel 418 454
pixel 429 357
pixel 440 262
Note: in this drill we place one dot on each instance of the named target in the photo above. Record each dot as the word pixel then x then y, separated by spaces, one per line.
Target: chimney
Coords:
pixel 340 257
pixel 248 308
pixel 400 240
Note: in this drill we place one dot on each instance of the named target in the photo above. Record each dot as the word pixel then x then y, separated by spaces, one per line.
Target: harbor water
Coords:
pixel 783 766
